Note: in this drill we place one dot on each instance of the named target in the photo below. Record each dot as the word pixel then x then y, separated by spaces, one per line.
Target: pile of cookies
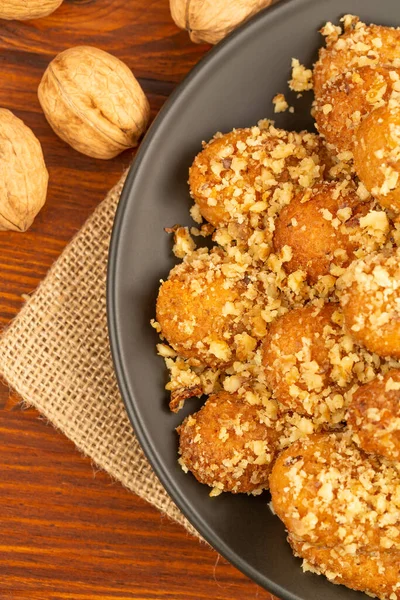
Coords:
pixel 290 323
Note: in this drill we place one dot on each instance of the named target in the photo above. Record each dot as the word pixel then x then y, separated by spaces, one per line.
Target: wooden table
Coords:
pixel 66 530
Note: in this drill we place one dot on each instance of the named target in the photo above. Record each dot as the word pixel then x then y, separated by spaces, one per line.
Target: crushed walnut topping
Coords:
pixel 288 320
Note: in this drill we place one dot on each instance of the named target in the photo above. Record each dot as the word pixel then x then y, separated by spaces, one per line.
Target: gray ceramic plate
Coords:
pixel 232 87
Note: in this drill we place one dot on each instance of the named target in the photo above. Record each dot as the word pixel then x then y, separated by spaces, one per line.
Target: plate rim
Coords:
pixel 150 452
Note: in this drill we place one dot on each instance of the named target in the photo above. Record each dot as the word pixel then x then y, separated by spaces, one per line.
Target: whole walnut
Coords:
pixel 22 10
pixel 23 174
pixel 211 20
pixel 93 102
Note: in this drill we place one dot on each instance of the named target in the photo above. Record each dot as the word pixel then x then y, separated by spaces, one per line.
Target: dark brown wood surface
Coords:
pixel 66 530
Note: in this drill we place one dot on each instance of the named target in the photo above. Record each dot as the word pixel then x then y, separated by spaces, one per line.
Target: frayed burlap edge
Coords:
pixel 56 355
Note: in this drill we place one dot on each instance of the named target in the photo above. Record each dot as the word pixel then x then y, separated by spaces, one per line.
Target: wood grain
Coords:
pixel 66 530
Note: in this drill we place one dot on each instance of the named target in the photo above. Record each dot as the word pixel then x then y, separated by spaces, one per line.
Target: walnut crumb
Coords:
pixel 280 103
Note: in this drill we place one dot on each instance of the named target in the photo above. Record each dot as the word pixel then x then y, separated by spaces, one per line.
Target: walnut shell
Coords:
pixel 22 10
pixel 211 20
pixel 93 102
pixel 23 174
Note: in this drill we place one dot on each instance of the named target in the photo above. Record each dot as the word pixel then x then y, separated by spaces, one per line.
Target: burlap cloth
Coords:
pixel 56 355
